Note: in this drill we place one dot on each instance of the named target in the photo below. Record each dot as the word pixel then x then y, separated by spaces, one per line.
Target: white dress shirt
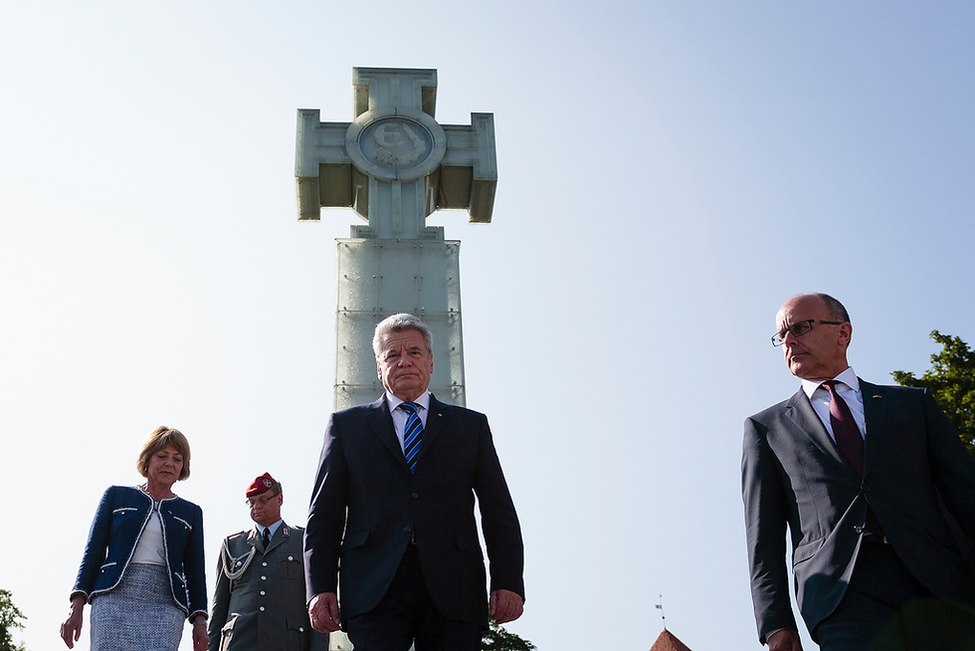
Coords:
pixel 848 388
pixel 400 416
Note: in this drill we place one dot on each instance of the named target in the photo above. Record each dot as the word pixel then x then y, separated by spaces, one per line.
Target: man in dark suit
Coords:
pixel 394 502
pixel 863 476
pixel 259 601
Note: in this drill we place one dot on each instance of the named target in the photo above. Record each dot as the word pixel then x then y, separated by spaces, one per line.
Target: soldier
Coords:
pixel 259 601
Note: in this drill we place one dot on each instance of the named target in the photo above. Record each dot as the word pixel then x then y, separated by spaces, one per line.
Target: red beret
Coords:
pixel 260 485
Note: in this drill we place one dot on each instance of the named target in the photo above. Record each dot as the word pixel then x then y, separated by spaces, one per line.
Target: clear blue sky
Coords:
pixel 670 173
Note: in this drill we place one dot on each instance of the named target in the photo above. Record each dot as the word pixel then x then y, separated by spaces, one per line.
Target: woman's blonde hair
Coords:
pixel 161 437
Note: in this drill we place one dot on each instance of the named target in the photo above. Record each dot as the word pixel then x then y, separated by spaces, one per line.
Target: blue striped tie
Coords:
pixel 412 433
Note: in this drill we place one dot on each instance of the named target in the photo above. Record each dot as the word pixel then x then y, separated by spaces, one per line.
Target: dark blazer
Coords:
pixel 259 599
pixel 362 470
pixel 121 516
pixel 793 474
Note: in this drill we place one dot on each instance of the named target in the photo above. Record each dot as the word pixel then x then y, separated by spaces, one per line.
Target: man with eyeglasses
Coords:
pixel 259 601
pixel 862 476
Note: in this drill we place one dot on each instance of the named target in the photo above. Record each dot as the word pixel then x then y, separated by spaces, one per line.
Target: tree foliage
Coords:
pixel 497 638
pixel 951 379
pixel 10 618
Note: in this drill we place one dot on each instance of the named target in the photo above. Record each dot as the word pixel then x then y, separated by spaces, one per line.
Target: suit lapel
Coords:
pixel 381 424
pixel 800 411
pixel 874 411
pixel 436 420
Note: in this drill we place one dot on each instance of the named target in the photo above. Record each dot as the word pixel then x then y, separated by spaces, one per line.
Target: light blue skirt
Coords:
pixel 139 614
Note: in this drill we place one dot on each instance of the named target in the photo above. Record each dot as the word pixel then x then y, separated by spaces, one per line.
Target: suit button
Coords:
pixel 262 609
pixel 407 529
pixel 263 593
pixel 415 496
pixel 301 629
pixel 858 528
pixel 264 563
pixel 291 558
pixel 263 578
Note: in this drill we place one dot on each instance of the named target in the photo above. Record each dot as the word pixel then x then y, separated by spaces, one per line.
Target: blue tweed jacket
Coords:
pixel 121 517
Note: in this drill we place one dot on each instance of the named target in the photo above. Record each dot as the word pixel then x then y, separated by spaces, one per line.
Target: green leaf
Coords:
pixel 951 380
pixel 497 638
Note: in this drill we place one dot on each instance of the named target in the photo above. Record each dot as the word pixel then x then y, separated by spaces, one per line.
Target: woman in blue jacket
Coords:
pixel 143 571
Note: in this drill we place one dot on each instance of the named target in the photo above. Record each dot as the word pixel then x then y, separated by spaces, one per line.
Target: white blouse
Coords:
pixel 151 548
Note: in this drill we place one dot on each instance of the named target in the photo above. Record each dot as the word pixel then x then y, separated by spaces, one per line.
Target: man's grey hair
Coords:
pixel 398 323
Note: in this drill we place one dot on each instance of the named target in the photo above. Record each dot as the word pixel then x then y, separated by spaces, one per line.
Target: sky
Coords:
pixel 669 174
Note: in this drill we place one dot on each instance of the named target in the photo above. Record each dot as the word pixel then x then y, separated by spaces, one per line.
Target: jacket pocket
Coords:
pixel 289 567
pixel 806 551
pixel 468 543
pixel 299 624
pixel 354 539
pixel 298 632
pixel 183 522
pixel 943 537
pixel 227 633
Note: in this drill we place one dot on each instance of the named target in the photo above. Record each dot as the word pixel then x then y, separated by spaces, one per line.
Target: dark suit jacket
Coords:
pixel 793 474
pixel 366 505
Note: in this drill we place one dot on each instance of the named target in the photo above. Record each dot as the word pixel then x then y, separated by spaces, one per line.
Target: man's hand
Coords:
pixel 323 611
pixel 506 606
pixel 785 640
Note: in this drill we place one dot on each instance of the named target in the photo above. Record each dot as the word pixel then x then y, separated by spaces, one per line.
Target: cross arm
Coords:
pixel 322 165
pixel 469 169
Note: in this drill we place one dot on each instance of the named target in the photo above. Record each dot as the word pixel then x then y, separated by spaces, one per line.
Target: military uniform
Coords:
pixel 259 600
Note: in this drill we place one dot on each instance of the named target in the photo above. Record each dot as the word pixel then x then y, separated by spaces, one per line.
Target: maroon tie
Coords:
pixel 845 429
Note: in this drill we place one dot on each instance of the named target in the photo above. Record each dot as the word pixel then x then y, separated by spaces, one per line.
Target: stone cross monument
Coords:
pixel 394 165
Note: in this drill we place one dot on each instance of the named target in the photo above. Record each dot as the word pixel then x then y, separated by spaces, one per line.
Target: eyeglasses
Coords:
pixel 798 329
pixel 253 501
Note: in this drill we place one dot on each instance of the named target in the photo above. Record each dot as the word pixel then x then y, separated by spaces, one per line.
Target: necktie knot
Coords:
pixel 409 407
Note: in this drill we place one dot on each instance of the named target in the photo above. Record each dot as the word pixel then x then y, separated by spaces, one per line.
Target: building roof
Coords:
pixel 667 641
